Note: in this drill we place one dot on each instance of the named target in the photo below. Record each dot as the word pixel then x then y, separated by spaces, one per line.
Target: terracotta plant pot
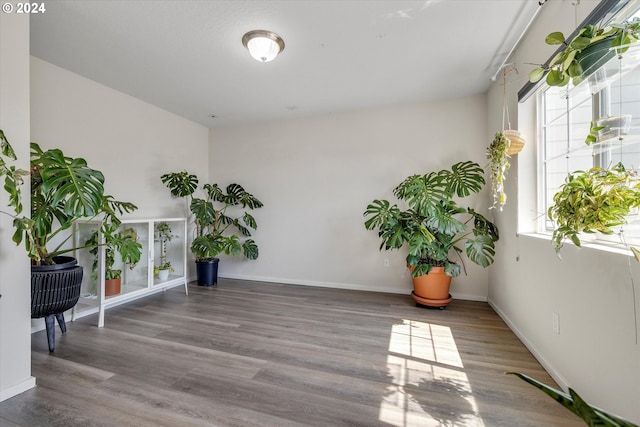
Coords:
pixel 432 289
pixel 112 287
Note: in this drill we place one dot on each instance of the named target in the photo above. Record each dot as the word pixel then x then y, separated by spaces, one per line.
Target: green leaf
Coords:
pixel 249 220
pixel 575 69
pixel 483 227
pixel 557 78
pixel 181 184
pixel 444 221
pixel 206 247
pixel 6 148
pixel 555 38
pixel 452 269
pixel 536 74
pixel 71 183
pixel 480 250
pixel 127 245
pixel 579 43
pixel 557 59
pixel 250 249
pixel 465 178
pixel 214 192
pixel 203 211
pixel 243 230
pixel 236 195
pixel 422 192
pixel 381 214
pixel 231 245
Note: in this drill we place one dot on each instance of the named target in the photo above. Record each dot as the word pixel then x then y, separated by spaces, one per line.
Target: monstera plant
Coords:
pixel 432 225
pixel 64 191
pixel 215 226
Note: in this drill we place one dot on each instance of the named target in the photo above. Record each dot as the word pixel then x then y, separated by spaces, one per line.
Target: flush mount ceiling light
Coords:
pixel 263 45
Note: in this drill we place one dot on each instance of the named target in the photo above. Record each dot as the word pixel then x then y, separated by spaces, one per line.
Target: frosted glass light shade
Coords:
pixel 262 45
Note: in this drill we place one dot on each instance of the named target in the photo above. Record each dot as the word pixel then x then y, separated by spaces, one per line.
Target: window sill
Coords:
pixel 599 245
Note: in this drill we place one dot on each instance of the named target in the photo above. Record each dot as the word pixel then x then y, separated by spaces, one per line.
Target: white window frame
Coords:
pixel 631 231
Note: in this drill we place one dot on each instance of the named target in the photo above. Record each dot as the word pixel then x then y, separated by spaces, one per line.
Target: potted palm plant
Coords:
pixel 162 235
pixel 214 226
pixel 434 227
pixel 64 190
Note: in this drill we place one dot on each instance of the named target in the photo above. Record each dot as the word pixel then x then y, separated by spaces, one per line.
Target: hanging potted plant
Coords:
pixel 596 200
pixel 64 190
pixel 162 235
pixel 589 50
pixel 214 225
pixel 498 156
pixel 434 227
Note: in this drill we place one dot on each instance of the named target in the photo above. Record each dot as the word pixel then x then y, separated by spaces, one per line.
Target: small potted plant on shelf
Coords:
pixel 125 243
pixel 162 235
pixel 590 49
pixel 608 127
pixel 214 225
pixel 64 191
pixel 434 227
pixel 593 201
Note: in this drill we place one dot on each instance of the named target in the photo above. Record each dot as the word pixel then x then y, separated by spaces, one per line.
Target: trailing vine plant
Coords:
pixel 594 201
pixel 498 165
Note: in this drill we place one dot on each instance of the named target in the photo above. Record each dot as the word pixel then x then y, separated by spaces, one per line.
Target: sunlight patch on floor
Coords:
pixel 424 363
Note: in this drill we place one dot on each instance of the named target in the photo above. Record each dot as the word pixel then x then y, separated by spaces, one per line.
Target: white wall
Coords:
pixel 596 352
pixel 132 142
pixel 316 176
pixel 15 300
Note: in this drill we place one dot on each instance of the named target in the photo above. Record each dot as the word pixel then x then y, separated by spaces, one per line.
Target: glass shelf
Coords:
pixel 610 75
pixel 614 70
pixel 609 72
pixel 610 144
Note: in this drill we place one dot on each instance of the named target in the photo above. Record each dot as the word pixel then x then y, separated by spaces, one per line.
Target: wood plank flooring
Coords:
pixel 263 354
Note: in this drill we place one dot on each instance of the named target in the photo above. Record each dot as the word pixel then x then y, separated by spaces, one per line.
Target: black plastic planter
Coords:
pixel 55 289
pixel 207 272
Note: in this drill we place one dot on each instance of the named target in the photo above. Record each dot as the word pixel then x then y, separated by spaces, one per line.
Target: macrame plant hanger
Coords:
pixel 515 139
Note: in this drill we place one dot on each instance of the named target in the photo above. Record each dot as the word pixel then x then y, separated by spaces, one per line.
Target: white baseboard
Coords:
pixel 25 385
pixel 336 285
pixel 539 357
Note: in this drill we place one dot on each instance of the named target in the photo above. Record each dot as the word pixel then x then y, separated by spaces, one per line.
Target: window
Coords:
pixel 564 118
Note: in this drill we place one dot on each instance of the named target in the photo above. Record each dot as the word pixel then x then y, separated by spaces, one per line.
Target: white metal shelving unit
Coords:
pixel 137 282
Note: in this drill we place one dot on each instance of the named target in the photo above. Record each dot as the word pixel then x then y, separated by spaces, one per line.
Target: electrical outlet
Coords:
pixel 555 319
pixel 386 262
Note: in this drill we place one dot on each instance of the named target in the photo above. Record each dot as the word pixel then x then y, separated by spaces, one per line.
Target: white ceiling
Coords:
pixel 187 56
